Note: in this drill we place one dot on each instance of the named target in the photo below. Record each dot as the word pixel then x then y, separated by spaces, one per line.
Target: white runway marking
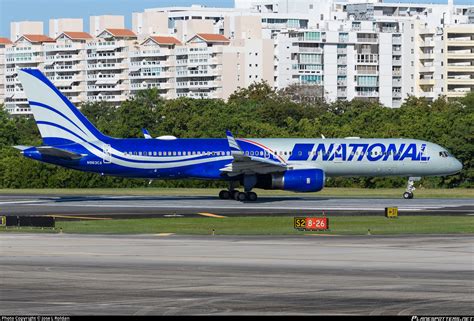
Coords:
pixel 241 207
pixel 24 202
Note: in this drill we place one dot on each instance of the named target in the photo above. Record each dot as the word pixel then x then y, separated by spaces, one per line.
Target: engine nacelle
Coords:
pixel 296 180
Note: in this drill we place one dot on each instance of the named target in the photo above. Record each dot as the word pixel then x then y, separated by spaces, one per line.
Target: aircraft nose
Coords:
pixel 456 165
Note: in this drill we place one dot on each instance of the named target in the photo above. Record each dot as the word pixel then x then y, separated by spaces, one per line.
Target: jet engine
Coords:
pixel 296 180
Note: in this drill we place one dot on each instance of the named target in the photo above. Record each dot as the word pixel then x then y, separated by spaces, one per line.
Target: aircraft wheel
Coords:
pixel 235 195
pixel 241 196
pixel 407 195
pixel 224 195
pixel 252 196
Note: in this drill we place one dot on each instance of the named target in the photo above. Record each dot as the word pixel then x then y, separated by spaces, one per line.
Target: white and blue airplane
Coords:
pixel 294 164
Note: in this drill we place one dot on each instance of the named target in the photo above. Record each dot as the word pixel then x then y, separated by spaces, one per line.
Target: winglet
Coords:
pixel 234 146
pixel 146 133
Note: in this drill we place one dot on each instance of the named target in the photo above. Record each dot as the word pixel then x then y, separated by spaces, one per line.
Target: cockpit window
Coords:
pixel 443 154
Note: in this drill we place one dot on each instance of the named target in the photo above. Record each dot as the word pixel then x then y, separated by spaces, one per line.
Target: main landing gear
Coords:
pixel 238 196
pixel 249 182
pixel 410 187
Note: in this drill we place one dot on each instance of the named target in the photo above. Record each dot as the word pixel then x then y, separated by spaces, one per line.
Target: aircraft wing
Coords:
pixel 244 164
pixel 53 152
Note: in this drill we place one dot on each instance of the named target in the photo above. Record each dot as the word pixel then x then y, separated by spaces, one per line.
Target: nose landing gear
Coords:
pixel 410 187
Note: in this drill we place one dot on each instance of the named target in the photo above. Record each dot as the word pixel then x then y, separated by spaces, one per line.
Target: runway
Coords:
pixel 61 274
pixel 156 206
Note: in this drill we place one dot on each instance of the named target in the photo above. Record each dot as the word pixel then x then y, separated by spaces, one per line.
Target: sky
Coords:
pixel 43 10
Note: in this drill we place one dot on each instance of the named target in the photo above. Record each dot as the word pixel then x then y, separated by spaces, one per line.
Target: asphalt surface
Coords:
pixel 174 275
pixel 156 206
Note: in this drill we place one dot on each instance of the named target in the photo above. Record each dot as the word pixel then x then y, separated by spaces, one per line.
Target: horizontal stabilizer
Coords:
pixel 57 152
pixel 22 147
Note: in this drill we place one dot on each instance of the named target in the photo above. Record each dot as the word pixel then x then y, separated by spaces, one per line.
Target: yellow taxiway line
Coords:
pixel 211 215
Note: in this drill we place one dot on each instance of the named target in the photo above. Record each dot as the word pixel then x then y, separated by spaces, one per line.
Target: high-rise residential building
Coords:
pixel 65 63
pixel 20 28
pixel 348 49
pixel 3 43
pixel 58 26
pixel 459 60
pixel 107 65
pixel 26 52
pixel 146 24
pixel 153 65
pixel 98 23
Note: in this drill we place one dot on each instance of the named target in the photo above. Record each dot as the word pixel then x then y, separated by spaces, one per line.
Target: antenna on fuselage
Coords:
pixel 322 136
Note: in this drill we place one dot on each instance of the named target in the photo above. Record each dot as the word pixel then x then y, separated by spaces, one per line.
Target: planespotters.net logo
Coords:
pixel 427 318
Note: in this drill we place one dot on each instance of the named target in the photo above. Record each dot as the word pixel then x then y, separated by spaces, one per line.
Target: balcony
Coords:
pixel 396 52
pixel 107 98
pixel 342 82
pixel 396 94
pixel 426 81
pixel 151 53
pixel 427 68
pixel 144 85
pixel 369 40
pixel 397 40
pixel 367 93
pixel 460 81
pixel 396 62
pixel 460 54
pixel 102 88
pixel 460 68
pixel 366 71
pixel 361 84
pixel 342 50
pixel 460 41
pixel 428 94
pixel 59 47
pixel 107 66
pixel 342 71
pixel 341 93
pixel 342 61
pixel 310 49
pixel 427 55
pixel 396 82
pixel 457 94
pixel 427 43
pixel 73 89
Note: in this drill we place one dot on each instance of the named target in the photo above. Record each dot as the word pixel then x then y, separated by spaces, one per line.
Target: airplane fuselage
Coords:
pixel 204 158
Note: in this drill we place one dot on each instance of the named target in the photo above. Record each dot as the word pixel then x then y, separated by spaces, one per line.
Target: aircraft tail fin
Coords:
pixel 146 134
pixel 58 120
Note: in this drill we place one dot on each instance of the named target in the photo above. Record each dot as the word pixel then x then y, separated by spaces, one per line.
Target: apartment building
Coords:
pixel 199 66
pixel 26 52
pixel 58 26
pixel 107 65
pixel 459 60
pixel 353 49
pixel 153 65
pixel 354 61
pixel 65 62
pixel 4 42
